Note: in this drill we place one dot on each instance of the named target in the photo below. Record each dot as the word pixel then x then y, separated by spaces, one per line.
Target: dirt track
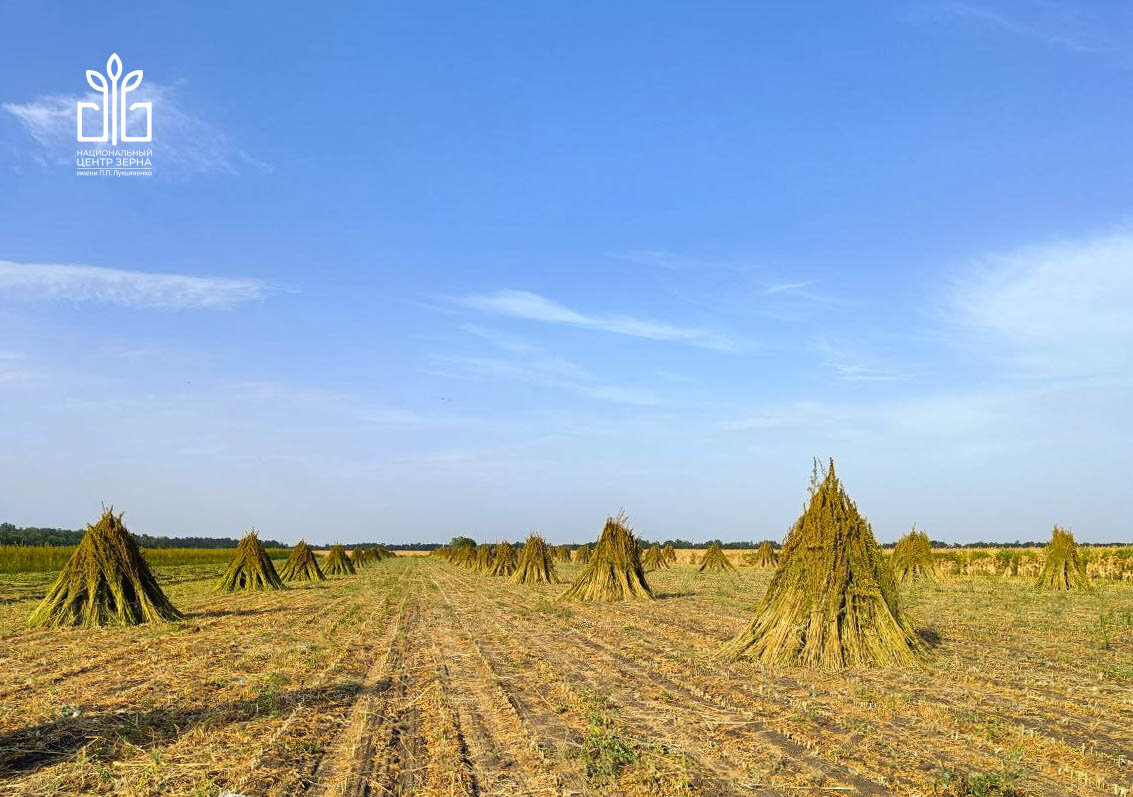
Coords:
pixel 416 677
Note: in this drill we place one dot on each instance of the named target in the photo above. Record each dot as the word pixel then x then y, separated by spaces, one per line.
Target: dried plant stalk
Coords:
pixel 504 561
pixel 337 562
pixel 1063 568
pixel 832 602
pixel 654 559
pixel 302 565
pixel 250 569
pixel 614 572
pixel 715 559
pixel 763 556
pixel 106 582
pixel 536 565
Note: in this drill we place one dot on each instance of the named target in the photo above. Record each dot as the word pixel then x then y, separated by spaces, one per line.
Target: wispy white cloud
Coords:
pixel 183 142
pixel 1055 24
pixel 77 283
pixel 788 287
pixel 1062 307
pixel 531 364
pixel 533 307
pixel 547 371
pixel 500 339
pixel 853 366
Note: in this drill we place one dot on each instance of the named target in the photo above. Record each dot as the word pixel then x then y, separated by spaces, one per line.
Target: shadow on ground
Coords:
pixel 103 735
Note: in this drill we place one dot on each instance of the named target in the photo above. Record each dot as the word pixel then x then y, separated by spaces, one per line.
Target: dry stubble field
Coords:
pixel 417 677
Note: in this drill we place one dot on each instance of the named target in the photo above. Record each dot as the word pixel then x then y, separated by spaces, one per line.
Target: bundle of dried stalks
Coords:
pixel 1008 561
pixel 561 553
pixel 464 555
pixel 338 563
pixel 614 572
pixel 715 559
pixel 913 560
pixel 301 565
pixel 832 602
pixel 763 556
pixel 505 560
pixel 670 553
pixel 536 565
pixel 582 554
pixel 654 559
pixel 485 555
pixel 360 557
pixel 250 569
pixel 1063 568
pixel 105 582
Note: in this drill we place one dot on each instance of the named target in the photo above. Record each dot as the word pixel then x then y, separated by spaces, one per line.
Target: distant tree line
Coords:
pixel 398 546
pixel 740 545
pixel 30 535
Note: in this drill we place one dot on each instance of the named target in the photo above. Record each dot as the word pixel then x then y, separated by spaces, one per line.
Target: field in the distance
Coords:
pixel 418 677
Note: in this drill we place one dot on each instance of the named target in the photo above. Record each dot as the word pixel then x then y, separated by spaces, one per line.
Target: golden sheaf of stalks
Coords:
pixel 337 562
pixel 913 559
pixel 1063 568
pixel 670 554
pixel 504 561
pixel 360 557
pixel 654 559
pixel 485 555
pixel 536 565
pixel 105 582
pixel 250 569
pixel 715 559
pixel 833 602
pixel 464 556
pixel 614 572
pixel 301 565
pixel 561 553
pixel 582 554
pixel 763 556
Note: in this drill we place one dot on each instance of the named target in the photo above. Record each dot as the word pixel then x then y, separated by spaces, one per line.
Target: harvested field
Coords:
pixel 420 677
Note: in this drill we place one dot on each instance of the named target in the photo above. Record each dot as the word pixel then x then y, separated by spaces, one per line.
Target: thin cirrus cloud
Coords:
pixel 78 283
pixel 183 142
pixel 547 372
pixel 1052 24
pixel 533 307
pixel 788 287
pixel 1055 308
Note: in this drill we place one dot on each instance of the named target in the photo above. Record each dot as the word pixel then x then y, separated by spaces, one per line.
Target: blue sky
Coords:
pixel 412 270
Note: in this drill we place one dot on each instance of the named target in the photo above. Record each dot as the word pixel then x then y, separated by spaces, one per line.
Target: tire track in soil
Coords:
pixel 506 739
pixel 899 726
pixel 458 778
pixel 622 662
pixel 1072 733
pixel 299 777
pixel 500 659
pixel 991 691
pixel 651 624
pixel 380 749
pixel 948 694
